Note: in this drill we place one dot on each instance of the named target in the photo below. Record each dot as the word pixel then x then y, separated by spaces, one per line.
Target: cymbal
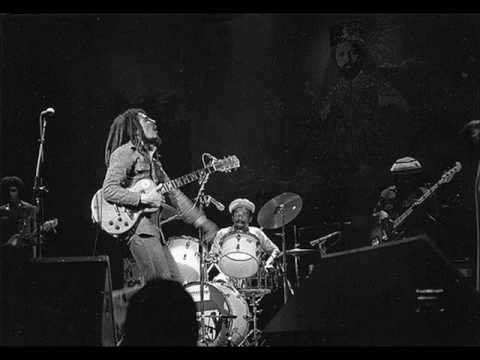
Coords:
pixel 279 211
pixel 300 252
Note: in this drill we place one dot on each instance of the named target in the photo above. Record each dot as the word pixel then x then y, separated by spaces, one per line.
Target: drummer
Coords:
pixel 242 211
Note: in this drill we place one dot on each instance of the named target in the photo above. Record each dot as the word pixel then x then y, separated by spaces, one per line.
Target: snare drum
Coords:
pixel 239 254
pixel 264 279
pixel 184 250
pixel 226 313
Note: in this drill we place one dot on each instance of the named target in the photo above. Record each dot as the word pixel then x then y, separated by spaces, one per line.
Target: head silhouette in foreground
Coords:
pixel 162 313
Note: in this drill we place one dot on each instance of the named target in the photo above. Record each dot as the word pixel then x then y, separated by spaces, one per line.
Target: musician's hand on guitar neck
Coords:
pixel 416 203
pixel 152 198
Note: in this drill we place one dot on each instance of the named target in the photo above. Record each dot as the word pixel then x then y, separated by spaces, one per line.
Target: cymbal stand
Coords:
pixel 286 284
pixel 255 334
pixel 296 259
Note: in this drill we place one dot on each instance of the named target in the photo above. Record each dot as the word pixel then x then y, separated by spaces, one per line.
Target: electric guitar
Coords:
pixel 388 229
pixel 21 239
pixel 116 219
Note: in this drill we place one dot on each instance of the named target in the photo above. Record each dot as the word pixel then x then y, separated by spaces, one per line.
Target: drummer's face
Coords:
pixel 241 217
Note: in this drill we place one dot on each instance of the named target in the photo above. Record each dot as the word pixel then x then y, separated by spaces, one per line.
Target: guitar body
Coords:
pixel 116 219
pixel 27 239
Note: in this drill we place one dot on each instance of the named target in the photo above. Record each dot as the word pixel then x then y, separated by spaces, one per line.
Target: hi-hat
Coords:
pixel 279 211
pixel 300 252
pixel 255 291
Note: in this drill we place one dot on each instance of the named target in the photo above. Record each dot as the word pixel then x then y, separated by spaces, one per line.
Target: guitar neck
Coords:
pixel 398 221
pixel 184 180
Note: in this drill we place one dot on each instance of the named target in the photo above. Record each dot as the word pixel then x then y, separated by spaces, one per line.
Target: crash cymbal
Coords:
pixel 300 252
pixel 279 211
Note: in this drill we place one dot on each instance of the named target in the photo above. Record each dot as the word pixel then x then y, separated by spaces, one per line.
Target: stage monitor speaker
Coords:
pixel 70 302
pixel 398 293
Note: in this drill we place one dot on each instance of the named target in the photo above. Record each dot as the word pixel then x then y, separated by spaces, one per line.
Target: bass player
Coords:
pixel 407 188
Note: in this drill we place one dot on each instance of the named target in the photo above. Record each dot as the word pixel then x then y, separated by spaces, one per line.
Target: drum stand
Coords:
pixel 254 296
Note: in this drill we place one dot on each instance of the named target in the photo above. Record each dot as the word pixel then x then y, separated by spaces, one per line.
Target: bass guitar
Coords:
pixel 387 229
pixel 116 220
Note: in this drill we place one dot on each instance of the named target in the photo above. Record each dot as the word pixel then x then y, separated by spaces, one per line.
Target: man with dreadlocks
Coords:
pixel 131 155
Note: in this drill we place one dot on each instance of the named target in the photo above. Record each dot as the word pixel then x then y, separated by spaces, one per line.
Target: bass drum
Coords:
pixel 226 313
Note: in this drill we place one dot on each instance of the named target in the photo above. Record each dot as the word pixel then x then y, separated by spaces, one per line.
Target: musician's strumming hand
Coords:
pixel 152 198
pixel 381 216
pixel 14 240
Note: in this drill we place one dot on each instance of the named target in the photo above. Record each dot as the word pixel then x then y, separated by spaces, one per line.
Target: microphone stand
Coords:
pixel 477 223
pixel 203 202
pixel 297 270
pixel 38 190
pixel 284 257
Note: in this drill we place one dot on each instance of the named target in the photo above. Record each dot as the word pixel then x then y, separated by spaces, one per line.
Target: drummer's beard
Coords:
pixel 240 224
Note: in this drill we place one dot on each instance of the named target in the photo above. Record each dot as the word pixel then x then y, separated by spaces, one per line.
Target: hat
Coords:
pixel 353 30
pixel 8 181
pixel 241 202
pixel 406 165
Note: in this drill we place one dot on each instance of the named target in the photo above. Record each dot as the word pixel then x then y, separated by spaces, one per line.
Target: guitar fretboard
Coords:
pixel 185 179
pixel 427 194
pixel 419 201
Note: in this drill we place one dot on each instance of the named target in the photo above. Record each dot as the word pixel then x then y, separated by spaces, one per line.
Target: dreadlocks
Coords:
pixel 125 128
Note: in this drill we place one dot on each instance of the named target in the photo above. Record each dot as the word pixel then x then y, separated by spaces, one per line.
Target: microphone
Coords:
pixel 324 238
pixel 218 204
pixel 50 111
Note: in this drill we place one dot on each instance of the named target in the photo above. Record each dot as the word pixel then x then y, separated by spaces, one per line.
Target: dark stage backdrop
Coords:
pixel 268 88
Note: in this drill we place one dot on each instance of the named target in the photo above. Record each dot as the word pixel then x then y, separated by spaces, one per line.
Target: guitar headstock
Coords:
pixel 50 225
pixel 226 164
pixel 448 175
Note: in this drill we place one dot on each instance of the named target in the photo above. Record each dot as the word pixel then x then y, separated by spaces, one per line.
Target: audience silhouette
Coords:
pixel 162 313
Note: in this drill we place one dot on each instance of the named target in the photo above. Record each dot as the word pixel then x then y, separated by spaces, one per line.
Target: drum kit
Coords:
pixel 228 307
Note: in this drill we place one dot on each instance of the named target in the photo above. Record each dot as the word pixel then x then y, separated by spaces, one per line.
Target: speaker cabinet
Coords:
pixel 399 293
pixel 69 302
